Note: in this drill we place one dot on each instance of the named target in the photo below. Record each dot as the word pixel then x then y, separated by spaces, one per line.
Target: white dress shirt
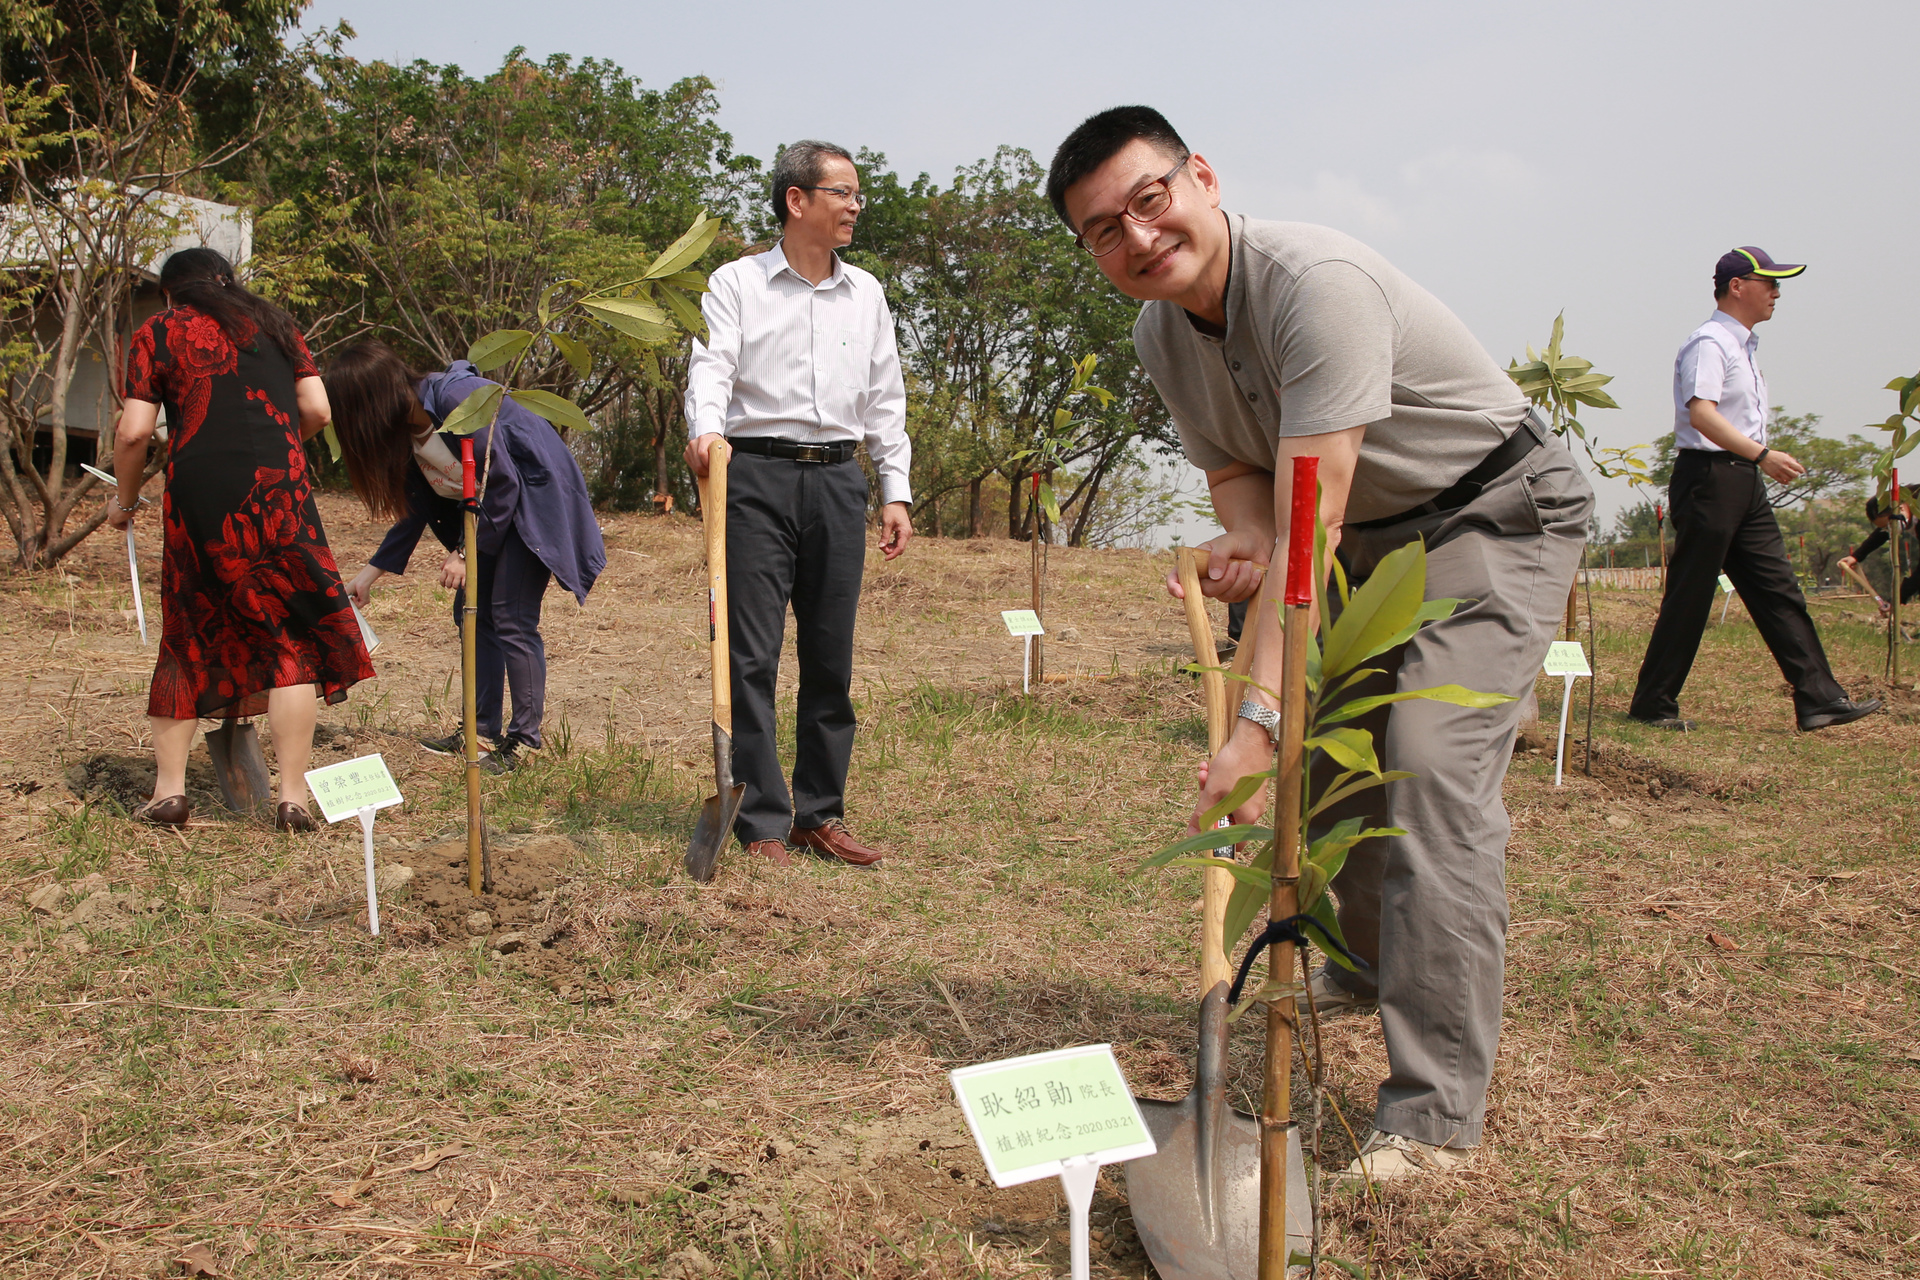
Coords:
pixel 809 363
pixel 1718 363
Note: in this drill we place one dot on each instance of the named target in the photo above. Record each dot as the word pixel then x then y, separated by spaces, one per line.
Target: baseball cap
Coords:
pixel 1748 260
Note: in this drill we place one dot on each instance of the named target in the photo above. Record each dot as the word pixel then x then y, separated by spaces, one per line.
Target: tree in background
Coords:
pixel 421 205
pixel 995 306
pixel 106 110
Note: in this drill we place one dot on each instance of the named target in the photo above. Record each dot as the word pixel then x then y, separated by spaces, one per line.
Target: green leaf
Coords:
pixel 1383 606
pixel 558 410
pixel 1244 903
pixel 575 351
pixel 1429 611
pixel 498 348
pixel 1049 503
pixel 1238 870
pixel 691 281
pixel 684 309
pixel 632 317
pixel 333 441
pixel 1323 915
pixel 1453 693
pixel 1350 748
pixel 1335 794
pixel 682 253
pixel 475 412
pixel 1242 791
pixel 1218 838
pixel 543 308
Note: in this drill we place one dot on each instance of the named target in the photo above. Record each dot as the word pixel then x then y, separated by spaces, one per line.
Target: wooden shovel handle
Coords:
pixel 713 514
pixel 1216 886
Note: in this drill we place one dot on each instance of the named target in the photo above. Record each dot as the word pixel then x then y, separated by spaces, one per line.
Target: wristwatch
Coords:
pixel 1265 717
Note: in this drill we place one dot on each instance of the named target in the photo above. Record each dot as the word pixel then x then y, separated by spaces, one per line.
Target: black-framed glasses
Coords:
pixel 858 199
pixel 1103 235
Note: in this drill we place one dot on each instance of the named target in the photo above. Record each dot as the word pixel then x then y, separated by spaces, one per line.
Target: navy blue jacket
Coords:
pixel 536 490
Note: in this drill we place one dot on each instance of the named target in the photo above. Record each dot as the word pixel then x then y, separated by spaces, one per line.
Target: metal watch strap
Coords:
pixel 1265 717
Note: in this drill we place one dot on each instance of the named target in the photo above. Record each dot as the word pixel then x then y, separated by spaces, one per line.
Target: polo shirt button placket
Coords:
pixel 1253 397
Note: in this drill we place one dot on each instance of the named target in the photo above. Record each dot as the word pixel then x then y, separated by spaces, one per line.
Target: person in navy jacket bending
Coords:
pixel 535 521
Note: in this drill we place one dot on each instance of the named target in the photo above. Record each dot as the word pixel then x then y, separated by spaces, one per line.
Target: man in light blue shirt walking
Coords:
pixel 1722 517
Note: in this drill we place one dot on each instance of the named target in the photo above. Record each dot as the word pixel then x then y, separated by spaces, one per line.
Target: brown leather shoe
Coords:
pixel 171 812
pixel 292 817
pixel 834 841
pixel 773 850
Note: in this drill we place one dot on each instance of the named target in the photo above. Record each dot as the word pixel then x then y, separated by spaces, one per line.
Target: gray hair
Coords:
pixel 799 165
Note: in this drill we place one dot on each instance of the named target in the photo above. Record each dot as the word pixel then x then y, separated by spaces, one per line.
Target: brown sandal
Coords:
pixel 292 817
pixel 170 812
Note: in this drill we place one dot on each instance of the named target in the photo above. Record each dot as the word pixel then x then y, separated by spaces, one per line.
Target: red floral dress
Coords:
pixel 251 597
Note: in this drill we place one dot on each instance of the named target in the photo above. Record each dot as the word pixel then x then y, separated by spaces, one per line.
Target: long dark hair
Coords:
pixel 371 391
pixel 203 279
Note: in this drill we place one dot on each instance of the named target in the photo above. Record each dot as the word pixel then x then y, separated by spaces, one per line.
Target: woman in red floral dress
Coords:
pixel 255 618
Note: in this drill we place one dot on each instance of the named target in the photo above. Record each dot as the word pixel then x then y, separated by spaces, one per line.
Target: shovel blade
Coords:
pixel 239 766
pixel 1196 1202
pixel 711 833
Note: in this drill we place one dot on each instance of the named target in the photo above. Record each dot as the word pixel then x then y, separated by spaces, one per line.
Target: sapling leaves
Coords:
pixel 636 319
pixel 558 410
pixel 1238 870
pixel 1349 748
pixel 1206 841
pixel 1242 792
pixel 1342 788
pixel 684 309
pixel 1244 903
pixel 1458 695
pixel 574 351
pixel 1383 606
pixel 685 251
pixel 498 348
pixel 475 412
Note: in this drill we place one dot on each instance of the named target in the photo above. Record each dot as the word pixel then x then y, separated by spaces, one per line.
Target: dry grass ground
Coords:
pixel 1711 1063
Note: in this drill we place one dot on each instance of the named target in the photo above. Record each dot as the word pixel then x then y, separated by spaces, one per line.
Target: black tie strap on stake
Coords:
pixel 1288 930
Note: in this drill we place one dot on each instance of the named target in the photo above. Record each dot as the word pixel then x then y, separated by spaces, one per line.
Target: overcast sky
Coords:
pixel 1516 159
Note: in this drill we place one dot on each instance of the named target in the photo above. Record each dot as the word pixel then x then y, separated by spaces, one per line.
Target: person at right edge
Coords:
pixel 1270 341
pixel 1722 519
pixel 1883 523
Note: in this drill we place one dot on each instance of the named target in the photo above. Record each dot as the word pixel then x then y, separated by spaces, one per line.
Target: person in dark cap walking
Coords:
pixel 1722 518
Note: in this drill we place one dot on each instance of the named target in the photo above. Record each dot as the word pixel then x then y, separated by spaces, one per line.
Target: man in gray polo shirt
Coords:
pixel 1272 340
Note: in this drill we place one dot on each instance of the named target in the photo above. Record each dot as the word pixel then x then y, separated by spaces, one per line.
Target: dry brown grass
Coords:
pixel 756 1069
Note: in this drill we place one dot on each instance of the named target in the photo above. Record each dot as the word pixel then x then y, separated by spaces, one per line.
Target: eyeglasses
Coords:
pixel 1103 235
pixel 858 199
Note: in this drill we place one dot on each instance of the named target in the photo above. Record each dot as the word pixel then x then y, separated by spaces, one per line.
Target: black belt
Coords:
pixel 793 450
pixel 1705 456
pixel 1527 437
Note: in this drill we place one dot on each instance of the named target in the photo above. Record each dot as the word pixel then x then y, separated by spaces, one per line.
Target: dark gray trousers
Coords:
pixel 796 533
pixel 508 650
pixel 1428 910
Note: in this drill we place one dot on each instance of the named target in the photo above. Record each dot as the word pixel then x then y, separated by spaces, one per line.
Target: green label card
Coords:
pixel 1726 584
pixel 1022 622
pixel 1567 658
pixel 346 788
pixel 1029 1114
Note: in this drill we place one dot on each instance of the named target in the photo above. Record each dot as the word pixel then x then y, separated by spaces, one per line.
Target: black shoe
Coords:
pixel 1845 711
pixel 453 744
pixel 504 757
pixel 1674 723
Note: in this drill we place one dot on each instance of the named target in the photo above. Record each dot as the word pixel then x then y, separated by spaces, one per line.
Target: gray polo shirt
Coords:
pixel 1324 334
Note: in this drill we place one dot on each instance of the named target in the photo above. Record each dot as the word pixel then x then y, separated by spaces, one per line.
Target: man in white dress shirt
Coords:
pixel 800 367
pixel 1722 518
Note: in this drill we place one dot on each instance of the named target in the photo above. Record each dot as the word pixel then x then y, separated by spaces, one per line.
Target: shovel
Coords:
pixel 1196 1202
pixel 717 812
pixel 239 765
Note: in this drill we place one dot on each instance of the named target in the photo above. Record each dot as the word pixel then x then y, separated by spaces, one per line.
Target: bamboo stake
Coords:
pixel 1216 885
pixel 469 665
pixel 1893 554
pixel 1276 1111
pixel 1039 667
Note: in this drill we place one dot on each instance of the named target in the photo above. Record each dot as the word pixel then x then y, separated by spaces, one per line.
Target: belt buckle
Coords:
pixel 810 453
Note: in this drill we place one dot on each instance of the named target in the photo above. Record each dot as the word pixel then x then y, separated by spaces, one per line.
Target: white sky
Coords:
pixel 1515 158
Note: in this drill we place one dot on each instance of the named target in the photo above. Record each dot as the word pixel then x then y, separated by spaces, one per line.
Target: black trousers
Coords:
pixel 508 650
pixel 1722 521
pixel 796 533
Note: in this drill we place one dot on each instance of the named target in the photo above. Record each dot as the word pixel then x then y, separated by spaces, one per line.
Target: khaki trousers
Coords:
pixel 1429 909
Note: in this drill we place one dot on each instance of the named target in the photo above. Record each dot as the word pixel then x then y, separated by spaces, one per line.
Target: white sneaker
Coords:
pixel 1329 997
pixel 1388 1155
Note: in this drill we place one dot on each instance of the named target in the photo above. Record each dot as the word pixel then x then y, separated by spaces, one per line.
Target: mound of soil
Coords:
pixel 526 871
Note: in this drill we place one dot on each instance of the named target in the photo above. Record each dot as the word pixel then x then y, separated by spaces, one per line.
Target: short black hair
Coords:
pixel 799 164
pixel 1098 139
